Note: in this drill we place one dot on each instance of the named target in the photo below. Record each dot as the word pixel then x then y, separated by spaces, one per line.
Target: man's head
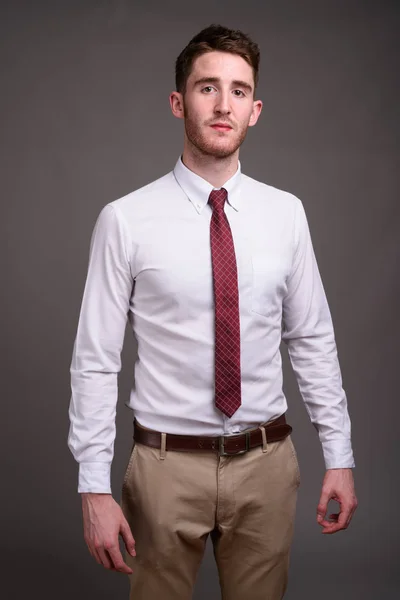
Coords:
pixel 218 39
pixel 216 77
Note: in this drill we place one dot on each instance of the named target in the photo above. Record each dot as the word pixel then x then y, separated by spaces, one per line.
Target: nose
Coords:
pixel 222 105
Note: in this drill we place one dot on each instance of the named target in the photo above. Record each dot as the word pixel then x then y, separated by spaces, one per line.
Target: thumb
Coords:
pixel 128 537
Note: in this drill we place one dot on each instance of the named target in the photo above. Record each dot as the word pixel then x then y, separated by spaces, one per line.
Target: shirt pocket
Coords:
pixel 269 272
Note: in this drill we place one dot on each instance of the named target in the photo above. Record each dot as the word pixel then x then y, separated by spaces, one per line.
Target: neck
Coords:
pixel 214 170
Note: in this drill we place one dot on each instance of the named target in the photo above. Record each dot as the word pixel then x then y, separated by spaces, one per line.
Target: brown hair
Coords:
pixel 216 37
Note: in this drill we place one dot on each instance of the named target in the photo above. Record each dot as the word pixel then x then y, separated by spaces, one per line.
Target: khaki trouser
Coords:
pixel 172 500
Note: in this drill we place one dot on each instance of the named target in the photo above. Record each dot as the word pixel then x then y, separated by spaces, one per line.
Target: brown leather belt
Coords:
pixel 275 430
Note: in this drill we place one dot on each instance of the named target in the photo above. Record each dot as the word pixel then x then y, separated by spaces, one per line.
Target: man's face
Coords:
pixel 219 89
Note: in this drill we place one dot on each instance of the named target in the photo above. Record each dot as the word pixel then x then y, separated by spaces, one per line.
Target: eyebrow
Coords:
pixel 235 82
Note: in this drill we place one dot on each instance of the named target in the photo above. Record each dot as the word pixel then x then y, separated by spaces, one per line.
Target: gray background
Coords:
pixel 85 119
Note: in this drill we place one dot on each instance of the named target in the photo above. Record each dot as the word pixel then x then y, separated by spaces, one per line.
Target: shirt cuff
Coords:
pixel 338 454
pixel 94 477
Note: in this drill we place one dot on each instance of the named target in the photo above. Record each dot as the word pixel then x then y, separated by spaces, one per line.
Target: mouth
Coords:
pixel 221 127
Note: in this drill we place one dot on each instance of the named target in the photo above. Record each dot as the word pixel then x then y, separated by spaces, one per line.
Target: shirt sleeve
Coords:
pixel 96 357
pixel 308 331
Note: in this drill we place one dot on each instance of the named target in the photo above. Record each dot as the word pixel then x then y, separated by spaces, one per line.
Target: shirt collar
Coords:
pixel 198 189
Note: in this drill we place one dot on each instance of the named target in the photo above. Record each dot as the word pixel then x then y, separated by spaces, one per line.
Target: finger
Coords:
pixel 341 522
pixel 344 516
pixel 104 557
pixel 127 536
pixel 332 527
pixel 94 553
pixel 323 522
pixel 118 561
pixel 351 514
pixel 334 516
pixel 322 507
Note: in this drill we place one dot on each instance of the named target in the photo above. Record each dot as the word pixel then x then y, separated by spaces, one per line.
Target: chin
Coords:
pixel 223 152
pixel 219 150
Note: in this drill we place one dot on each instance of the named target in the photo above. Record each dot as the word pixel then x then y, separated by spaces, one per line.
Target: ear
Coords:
pixel 255 113
pixel 176 103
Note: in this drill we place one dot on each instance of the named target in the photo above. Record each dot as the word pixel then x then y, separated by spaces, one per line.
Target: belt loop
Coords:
pixel 163 446
pixel 264 438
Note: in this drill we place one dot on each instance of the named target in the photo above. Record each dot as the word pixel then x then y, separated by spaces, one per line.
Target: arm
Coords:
pixel 96 362
pixel 309 334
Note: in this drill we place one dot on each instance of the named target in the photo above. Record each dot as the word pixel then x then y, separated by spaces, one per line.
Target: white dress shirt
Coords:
pixel 150 262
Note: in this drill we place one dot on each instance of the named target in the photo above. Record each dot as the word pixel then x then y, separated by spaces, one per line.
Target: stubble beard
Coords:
pixel 202 145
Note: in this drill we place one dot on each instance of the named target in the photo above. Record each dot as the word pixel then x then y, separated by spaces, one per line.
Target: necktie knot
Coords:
pixel 217 198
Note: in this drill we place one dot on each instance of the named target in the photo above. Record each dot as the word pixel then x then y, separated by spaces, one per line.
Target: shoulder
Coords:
pixel 146 192
pixel 140 202
pixel 270 194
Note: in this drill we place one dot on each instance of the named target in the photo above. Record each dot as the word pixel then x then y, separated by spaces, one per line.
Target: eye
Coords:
pixel 208 87
pixel 240 92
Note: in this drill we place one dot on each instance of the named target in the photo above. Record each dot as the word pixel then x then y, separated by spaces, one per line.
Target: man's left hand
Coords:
pixel 338 485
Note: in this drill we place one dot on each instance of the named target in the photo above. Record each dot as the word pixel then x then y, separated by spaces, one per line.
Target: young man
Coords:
pixel 212 269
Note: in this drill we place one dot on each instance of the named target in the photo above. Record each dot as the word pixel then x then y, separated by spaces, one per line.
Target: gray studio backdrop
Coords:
pixel 85 119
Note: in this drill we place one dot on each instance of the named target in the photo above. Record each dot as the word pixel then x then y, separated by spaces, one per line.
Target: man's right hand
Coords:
pixel 103 522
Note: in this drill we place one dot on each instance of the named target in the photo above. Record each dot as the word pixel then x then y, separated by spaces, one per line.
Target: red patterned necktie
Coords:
pixel 227 322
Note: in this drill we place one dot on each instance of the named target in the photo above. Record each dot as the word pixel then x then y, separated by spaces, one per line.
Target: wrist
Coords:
pixel 93 495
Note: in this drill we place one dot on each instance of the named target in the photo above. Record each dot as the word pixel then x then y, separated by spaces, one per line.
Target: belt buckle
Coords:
pixel 223 452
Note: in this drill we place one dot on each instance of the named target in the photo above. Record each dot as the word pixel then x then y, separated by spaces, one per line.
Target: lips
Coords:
pixel 221 126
